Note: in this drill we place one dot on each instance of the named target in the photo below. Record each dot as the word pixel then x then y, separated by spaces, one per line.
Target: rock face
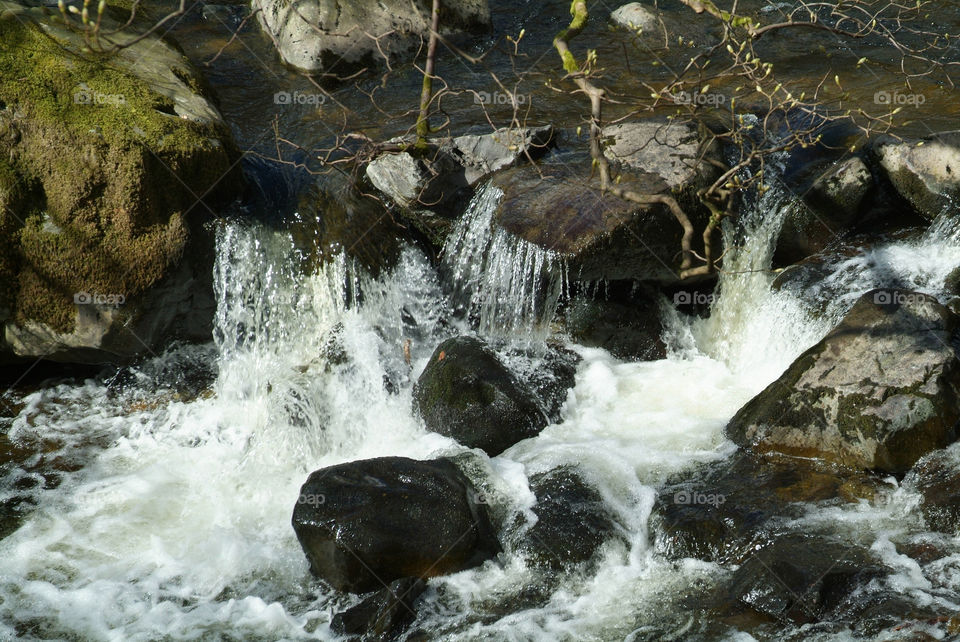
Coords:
pixel 572 521
pixel 383 616
pixel 666 148
pixel 467 393
pixel 831 207
pixel 107 173
pixel 937 478
pixel 334 35
pixel 799 578
pixel 720 510
pixel 881 390
pixel 926 174
pixel 368 522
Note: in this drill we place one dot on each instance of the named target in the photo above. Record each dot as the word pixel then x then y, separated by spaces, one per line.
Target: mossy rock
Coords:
pixel 116 161
pixel 880 391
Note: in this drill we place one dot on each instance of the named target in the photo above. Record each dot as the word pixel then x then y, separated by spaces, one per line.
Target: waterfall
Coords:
pixel 506 285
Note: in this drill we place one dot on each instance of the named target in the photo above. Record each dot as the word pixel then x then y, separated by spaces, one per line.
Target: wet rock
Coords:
pixel 881 390
pixel 467 393
pixel 453 165
pixel 925 173
pixel 952 283
pixel 560 208
pixel 336 36
pixel 368 522
pixel 628 331
pixel 634 16
pixel 338 220
pixel 104 252
pixel 721 509
pixel 937 478
pixel 383 616
pixel 573 521
pixel 828 210
pixel 549 373
pixel 798 578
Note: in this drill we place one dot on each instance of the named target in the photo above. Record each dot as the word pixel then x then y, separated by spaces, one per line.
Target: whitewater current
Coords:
pixel 170 518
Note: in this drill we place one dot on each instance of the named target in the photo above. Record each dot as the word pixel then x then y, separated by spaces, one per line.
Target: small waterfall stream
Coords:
pixel 175 511
pixel 509 286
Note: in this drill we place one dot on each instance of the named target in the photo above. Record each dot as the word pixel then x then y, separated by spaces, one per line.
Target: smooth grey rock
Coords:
pixel 331 35
pixel 634 16
pixel 926 173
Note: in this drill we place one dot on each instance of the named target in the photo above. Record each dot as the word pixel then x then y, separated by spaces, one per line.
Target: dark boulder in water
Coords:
pixel 880 391
pixel 573 521
pixel 798 578
pixel 937 478
pixel 366 523
pixel 384 615
pixel 467 393
pixel 722 508
pixel 628 331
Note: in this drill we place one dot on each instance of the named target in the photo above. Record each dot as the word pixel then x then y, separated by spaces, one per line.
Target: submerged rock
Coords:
pixel 721 509
pixel 383 616
pixel 937 478
pixel 368 522
pixel 467 393
pixel 925 173
pixel 335 36
pixel 634 16
pixel 881 390
pixel 798 578
pixel 109 172
pixel 573 521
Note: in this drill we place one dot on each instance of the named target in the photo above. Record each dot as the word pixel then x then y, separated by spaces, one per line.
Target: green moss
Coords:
pixel 117 175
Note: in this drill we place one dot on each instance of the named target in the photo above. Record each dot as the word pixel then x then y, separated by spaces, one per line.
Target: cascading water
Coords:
pixel 171 519
pixel 511 287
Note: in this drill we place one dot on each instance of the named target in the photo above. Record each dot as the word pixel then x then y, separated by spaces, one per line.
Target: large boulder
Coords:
pixel 366 523
pixel 925 173
pixel 108 171
pixel 573 521
pixel 561 208
pixel 881 390
pixel 466 392
pixel 333 36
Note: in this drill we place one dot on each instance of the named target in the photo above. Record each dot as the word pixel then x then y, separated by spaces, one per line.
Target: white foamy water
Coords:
pixel 174 521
